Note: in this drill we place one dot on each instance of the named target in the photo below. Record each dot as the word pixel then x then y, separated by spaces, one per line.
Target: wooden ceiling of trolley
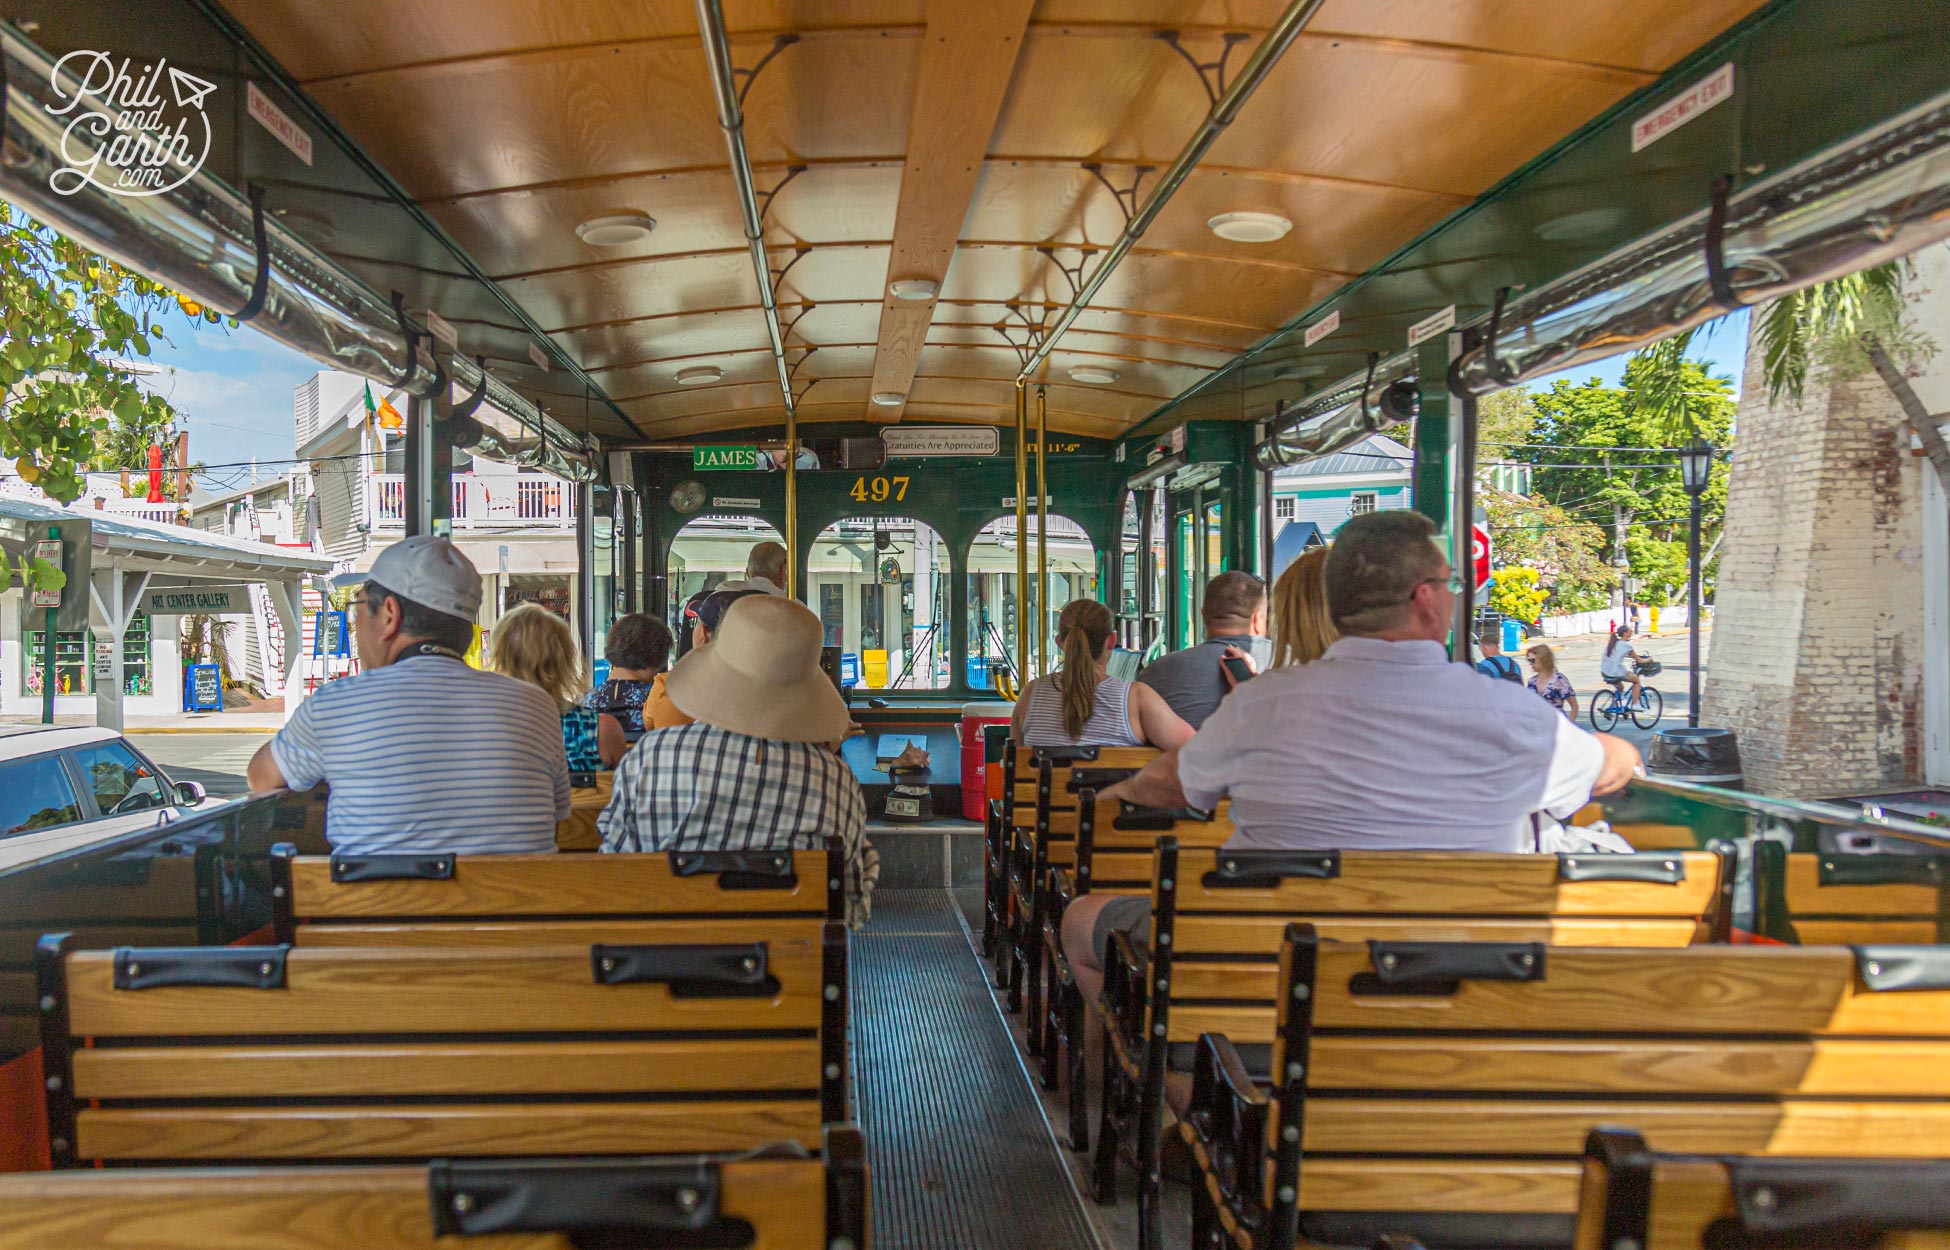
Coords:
pixel 946 140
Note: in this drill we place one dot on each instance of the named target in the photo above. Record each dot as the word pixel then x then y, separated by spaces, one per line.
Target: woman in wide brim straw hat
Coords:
pixel 760 675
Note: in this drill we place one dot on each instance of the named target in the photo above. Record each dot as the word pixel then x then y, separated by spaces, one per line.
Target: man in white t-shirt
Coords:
pixel 424 754
pixel 1381 744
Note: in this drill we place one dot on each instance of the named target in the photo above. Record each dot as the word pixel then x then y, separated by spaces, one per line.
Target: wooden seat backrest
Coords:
pixel 1462 1078
pixel 1816 899
pixel 1116 840
pixel 420 1052
pixel 1226 913
pixel 1693 1202
pixel 1041 783
pixel 775 1201
pixel 572 900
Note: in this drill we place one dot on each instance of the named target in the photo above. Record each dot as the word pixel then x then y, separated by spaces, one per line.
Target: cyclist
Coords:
pixel 1619 665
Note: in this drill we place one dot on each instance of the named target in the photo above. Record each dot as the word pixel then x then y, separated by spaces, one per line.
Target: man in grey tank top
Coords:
pixel 1234 613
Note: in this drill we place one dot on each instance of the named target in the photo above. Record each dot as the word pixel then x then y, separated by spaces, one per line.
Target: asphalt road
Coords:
pixel 1578 659
pixel 214 760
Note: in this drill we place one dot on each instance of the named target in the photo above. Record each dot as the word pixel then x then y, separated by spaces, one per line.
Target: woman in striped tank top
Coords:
pixel 1083 705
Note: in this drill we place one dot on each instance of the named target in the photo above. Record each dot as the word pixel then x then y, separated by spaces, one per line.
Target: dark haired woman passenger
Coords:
pixel 1083 705
pixel 638 648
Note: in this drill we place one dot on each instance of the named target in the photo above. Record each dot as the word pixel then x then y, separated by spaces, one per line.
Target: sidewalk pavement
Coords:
pixel 174 723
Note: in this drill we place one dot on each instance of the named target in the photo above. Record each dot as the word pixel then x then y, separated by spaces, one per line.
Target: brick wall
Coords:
pixel 1818 633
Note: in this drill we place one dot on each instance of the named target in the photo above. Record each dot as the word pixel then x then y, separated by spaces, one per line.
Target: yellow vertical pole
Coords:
pixel 791 503
pixel 1042 547
pixel 1022 511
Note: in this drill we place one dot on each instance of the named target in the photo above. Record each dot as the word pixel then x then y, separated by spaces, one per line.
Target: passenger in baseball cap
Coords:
pixel 423 754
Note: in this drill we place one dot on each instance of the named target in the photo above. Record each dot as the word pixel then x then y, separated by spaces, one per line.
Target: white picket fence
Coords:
pixel 1572 624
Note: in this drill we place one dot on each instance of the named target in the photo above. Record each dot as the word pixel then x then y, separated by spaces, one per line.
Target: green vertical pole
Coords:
pixel 1434 448
pixel 47 652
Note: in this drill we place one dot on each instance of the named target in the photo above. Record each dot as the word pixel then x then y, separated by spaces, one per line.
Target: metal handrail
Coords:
pixel 1869 819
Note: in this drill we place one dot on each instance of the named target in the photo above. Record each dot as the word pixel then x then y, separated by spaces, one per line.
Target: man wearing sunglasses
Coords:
pixel 423 754
pixel 1381 744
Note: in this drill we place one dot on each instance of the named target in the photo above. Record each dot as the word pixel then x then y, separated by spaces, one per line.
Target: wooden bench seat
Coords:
pixel 1444 1090
pixel 260 1054
pixel 770 1200
pixel 541 900
pixel 1115 845
pixel 1663 1201
pixel 1040 788
pixel 1218 918
pixel 1817 899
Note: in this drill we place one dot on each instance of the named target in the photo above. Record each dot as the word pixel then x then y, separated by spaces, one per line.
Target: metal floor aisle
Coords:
pixel 961 1156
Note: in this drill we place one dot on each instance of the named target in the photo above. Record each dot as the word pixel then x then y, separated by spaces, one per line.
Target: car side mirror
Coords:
pixel 189 794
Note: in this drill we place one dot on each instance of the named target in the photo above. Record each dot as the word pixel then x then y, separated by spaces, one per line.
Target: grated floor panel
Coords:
pixel 961 1156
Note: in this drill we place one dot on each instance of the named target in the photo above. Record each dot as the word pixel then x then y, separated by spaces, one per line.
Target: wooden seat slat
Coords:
pixel 1831 1067
pixel 1712 990
pixel 332 1208
pixel 409 1069
pixel 1865 932
pixel 398 1130
pixel 1412 1185
pixel 1792 902
pixel 1807 894
pixel 553 885
pixel 1489 1126
pixel 1479 884
pixel 583 933
pixel 1260 935
pixel 354 990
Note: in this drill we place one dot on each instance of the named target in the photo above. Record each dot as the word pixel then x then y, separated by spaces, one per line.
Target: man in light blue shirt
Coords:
pixel 424 755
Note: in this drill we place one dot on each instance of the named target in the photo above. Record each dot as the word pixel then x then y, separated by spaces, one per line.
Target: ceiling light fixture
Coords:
pixel 699 375
pixel 616 230
pixel 1250 227
pixel 915 289
pixel 890 399
pixel 1096 375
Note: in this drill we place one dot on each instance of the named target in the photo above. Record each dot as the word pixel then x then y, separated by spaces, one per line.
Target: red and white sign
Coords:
pixel 1479 555
pixel 1684 107
pixel 278 122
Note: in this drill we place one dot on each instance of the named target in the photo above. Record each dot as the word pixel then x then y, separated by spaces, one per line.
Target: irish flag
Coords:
pixel 389 418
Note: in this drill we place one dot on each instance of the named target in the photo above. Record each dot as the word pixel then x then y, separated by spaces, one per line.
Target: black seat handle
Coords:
pixel 674 1202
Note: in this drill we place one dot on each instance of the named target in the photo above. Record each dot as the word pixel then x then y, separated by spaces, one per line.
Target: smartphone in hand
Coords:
pixel 1240 670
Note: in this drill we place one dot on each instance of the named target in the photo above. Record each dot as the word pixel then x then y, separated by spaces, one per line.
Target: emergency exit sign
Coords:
pixel 706 458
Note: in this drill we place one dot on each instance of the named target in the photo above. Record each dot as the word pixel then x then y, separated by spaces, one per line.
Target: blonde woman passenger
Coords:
pixel 1302 628
pixel 534 645
pixel 1082 704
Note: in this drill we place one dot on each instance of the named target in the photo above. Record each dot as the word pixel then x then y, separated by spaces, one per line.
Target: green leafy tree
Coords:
pixel 1566 555
pixel 67 316
pixel 1613 461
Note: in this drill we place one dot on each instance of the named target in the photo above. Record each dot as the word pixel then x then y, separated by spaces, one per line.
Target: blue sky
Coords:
pixel 1724 350
pixel 235 387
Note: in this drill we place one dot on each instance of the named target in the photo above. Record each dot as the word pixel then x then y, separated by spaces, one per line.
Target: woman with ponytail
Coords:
pixel 1083 705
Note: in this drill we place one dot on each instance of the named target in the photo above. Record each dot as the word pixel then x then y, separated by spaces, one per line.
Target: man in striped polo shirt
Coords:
pixel 423 754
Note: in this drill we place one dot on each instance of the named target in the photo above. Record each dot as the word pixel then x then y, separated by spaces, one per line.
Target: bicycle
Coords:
pixel 1613 705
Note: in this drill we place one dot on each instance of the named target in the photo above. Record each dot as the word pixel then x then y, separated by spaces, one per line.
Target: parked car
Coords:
pixel 81 780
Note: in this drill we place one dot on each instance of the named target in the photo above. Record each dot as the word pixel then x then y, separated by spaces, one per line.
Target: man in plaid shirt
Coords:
pixel 757 770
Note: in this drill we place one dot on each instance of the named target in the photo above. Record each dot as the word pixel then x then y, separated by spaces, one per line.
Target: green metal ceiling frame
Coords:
pixel 1810 75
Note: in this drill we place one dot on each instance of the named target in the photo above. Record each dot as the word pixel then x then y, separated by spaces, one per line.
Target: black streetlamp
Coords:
pixel 1695 471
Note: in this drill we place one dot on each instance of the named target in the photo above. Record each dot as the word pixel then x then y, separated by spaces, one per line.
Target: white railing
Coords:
pixel 530 500
pixel 161 513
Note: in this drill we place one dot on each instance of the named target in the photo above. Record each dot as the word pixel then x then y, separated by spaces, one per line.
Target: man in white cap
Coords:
pixel 424 755
pixel 756 769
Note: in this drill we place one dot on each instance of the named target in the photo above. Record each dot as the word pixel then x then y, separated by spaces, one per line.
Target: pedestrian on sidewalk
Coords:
pixel 1494 663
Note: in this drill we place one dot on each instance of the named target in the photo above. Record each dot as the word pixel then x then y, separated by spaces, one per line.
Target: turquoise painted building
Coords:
pixel 1370 476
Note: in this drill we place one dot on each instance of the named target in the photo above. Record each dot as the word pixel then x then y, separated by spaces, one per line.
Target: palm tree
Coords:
pixel 1844 328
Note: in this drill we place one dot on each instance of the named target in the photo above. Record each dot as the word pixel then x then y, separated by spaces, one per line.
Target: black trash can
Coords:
pixel 1707 757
